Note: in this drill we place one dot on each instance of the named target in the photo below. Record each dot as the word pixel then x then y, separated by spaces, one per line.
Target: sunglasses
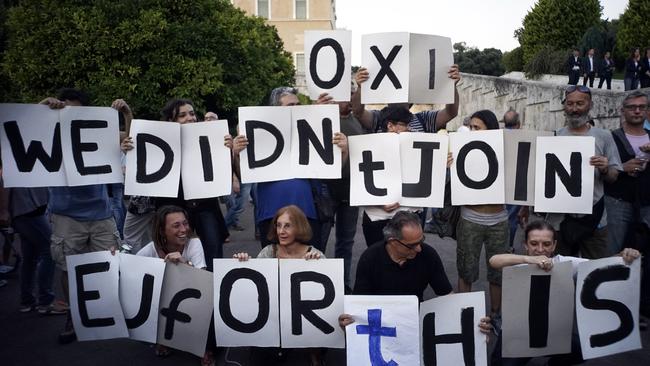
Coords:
pixel 411 246
pixel 581 88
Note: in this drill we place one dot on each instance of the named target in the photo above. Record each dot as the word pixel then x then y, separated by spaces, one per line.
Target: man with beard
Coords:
pixel 587 234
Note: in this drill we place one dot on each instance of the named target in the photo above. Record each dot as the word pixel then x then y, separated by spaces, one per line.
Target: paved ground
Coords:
pixel 30 339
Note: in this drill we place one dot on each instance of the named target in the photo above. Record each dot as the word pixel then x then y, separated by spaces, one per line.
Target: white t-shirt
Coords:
pixel 575 261
pixel 192 252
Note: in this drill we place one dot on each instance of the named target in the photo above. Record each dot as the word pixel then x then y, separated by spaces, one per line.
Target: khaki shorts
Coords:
pixel 70 236
pixel 471 237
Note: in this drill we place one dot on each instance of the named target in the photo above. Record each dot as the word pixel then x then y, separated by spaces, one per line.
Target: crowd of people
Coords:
pixel 637 69
pixel 294 217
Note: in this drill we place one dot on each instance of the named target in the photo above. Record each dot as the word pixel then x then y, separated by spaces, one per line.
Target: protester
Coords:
pixel 589 68
pixel 511 122
pixel 425 121
pixel 345 216
pixel 204 214
pixel 289 234
pixel 402 265
pixel 82 217
pixel 644 74
pixel 606 70
pixel 540 247
pixel 632 70
pixel 479 225
pixel 24 209
pixel 572 66
pixel 271 196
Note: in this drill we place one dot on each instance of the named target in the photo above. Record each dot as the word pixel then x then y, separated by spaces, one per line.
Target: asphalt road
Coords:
pixel 30 339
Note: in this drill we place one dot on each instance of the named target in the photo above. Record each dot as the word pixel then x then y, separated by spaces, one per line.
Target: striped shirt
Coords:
pixel 424 121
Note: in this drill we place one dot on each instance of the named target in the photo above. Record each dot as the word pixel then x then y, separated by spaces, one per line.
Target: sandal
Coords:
pixel 162 351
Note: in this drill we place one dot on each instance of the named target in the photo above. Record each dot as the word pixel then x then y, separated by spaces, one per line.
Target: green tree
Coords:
pixel 558 24
pixel 144 51
pixel 633 28
pixel 514 60
pixel 548 60
pixel 602 37
pixel 474 61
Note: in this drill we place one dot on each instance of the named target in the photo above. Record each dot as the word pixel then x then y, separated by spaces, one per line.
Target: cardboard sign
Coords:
pixel 141 280
pixel 386 57
pixel 268 154
pixel 520 147
pixel 30 139
pixel 564 180
pixel 374 169
pixel 185 308
pixel 384 331
pixel 328 63
pixel 607 306
pixel 536 321
pixel 450 335
pixel 430 58
pixel 246 303
pixel 94 298
pixel 477 173
pixel 153 167
pixel 311 293
pixel 92 139
pixel 423 158
pixel 206 170
pixel 312 153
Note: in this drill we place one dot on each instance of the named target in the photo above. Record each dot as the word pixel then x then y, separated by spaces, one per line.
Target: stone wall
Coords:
pixel 538 103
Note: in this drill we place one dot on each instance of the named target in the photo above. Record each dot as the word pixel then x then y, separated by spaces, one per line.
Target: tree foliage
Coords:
pixel 144 51
pixel 633 28
pixel 514 60
pixel 558 24
pixel 475 61
pixel 548 60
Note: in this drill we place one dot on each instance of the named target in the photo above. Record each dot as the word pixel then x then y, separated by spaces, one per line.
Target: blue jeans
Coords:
pixel 35 233
pixel 235 203
pixel 620 216
pixel 117 204
pixel 210 228
pixel 513 221
pixel 346 227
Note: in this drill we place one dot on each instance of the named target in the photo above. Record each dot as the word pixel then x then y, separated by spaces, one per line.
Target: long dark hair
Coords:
pixel 170 110
pixel 158 227
pixel 488 117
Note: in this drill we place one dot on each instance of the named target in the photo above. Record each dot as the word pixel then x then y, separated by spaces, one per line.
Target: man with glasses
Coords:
pixel 587 234
pixel 628 199
pixel 403 264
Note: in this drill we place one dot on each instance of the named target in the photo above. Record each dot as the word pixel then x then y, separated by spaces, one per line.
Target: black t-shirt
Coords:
pixel 378 274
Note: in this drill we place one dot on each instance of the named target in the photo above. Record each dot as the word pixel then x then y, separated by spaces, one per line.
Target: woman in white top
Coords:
pixel 540 245
pixel 172 239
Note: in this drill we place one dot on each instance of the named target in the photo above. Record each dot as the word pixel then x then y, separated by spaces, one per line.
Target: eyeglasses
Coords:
pixel 633 107
pixel 581 88
pixel 411 246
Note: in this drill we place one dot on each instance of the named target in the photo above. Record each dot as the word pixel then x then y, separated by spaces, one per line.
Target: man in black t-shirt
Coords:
pixel 403 264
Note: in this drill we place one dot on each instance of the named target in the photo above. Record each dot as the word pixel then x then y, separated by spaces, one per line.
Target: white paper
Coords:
pixel 424 50
pixel 106 149
pixel 36 124
pixel 291 270
pixel 394 316
pixel 328 65
pixel 170 132
pixel 192 172
pixel 512 140
pixel 102 287
pixel 516 306
pixel 411 163
pixel 477 168
pixel 385 150
pixel 563 201
pixel 385 91
pixel 245 303
pixel 592 323
pixel 315 116
pixel 447 314
pixel 133 270
pixel 265 144
pixel 190 337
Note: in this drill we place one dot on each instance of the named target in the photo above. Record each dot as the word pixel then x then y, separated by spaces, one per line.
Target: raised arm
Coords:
pixel 358 109
pixel 451 110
